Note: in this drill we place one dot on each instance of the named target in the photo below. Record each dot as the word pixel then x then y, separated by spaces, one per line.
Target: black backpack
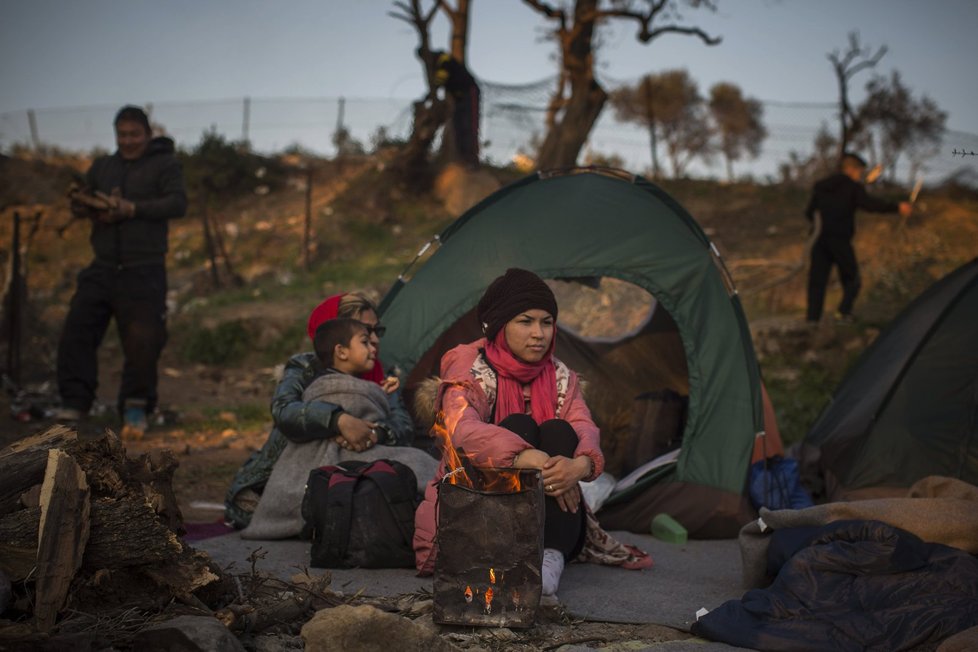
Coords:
pixel 361 514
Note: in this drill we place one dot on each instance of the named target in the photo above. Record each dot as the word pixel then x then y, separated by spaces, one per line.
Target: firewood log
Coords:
pixel 63 533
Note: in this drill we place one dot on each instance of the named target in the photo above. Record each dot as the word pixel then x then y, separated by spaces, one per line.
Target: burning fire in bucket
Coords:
pixel 502 480
pixel 482 578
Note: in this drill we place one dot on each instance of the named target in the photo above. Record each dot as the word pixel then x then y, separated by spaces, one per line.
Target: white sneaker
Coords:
pixel 67 415
pixel 553 566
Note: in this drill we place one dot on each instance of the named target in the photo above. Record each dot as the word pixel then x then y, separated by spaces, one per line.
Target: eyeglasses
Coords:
pixel 377 330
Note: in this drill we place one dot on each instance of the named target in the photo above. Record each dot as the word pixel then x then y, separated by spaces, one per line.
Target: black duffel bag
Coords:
pixel 361 515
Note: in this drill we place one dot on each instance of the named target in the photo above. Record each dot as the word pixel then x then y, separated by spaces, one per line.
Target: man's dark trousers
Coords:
pixel 136 297
pixel 825 253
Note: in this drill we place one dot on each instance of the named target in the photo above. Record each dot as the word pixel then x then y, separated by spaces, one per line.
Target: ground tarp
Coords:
pixel 685 578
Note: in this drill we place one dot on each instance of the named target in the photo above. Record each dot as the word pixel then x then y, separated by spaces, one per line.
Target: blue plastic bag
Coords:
pixel 775 483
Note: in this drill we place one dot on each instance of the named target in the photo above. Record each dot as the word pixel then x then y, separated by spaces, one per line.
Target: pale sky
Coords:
pixel 68 53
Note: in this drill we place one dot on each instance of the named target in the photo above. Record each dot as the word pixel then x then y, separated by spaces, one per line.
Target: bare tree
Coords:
pixel 855 59
pixel 579 98
pixel 431 112
pixel 738 122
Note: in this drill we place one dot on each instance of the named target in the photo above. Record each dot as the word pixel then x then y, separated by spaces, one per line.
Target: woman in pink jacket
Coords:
pixel 524 409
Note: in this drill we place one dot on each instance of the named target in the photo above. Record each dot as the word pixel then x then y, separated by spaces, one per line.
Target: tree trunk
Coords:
pixel 567 135
pixel 729 160
pixel 411 164
pixel 460 30
pixel 564 142
pixel 655 151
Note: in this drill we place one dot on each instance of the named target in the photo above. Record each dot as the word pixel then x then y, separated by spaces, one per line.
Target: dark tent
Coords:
pixel 587 225
pixel 909 406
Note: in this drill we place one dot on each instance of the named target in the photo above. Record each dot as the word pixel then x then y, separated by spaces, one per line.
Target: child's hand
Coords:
pixel 391 384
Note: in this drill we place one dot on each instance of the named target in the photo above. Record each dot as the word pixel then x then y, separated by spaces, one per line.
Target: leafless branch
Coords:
pixel 645 20
pixel 843 63
pixel 549 11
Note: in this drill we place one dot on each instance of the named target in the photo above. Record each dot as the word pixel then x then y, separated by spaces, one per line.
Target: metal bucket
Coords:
pixel 490 550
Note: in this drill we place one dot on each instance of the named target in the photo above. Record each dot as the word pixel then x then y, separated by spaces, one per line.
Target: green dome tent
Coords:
pixel 583 224
pixel 909 406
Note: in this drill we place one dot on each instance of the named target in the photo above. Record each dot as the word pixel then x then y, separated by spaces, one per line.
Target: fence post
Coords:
pixel 209 245
pixel 32 122
pixel 246 120
pixel 307 227
pixel 14 317
pixel 339 137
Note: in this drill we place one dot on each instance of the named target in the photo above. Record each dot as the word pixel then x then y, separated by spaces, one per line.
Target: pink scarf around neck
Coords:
pixel 513 374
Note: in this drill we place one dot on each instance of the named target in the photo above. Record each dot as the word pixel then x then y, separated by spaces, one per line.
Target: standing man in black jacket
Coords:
pixel 141 186
pixel 836 199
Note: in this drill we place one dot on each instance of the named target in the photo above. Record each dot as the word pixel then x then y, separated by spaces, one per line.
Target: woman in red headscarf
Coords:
pixel 524 409
pixel 299 421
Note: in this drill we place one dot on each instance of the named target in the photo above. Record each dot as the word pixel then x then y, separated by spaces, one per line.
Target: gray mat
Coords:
pixel 684 579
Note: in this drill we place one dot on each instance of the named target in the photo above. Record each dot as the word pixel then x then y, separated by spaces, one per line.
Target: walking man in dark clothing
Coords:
pixel 836 199
pixel 140 187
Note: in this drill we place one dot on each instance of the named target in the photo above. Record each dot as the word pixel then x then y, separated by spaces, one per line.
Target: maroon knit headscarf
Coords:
pixel 510 294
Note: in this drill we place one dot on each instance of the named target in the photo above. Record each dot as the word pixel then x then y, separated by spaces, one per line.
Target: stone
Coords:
pixel 187 634
pixel 277 643
pixel 366 629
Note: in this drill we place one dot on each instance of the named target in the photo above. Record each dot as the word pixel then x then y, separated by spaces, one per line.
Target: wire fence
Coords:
pixel 512 120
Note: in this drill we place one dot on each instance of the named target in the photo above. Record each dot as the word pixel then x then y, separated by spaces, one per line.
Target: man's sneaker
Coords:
pixel 133 423
pixel 67 415
pixel 844 317
pixel 553 566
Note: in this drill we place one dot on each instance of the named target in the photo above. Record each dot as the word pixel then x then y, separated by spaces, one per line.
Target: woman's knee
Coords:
pixel 524 426
pixel 557 437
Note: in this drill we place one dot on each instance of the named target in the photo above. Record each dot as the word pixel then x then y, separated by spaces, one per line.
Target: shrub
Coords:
pixel 227 343
pixel 223 168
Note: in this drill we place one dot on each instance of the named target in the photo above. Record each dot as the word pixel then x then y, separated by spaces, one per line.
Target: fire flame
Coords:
pixel 444 428
pixel 503 481
pixel 492 576
pixel 468 594
pixel 489 600
pixel 499 481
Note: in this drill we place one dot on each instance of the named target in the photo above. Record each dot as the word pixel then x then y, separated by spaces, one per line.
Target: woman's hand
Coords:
pixel 356 434
pixel 561 473
pixel 570 500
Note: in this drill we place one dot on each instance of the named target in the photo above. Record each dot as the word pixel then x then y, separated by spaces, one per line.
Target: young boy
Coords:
pixel 344 348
